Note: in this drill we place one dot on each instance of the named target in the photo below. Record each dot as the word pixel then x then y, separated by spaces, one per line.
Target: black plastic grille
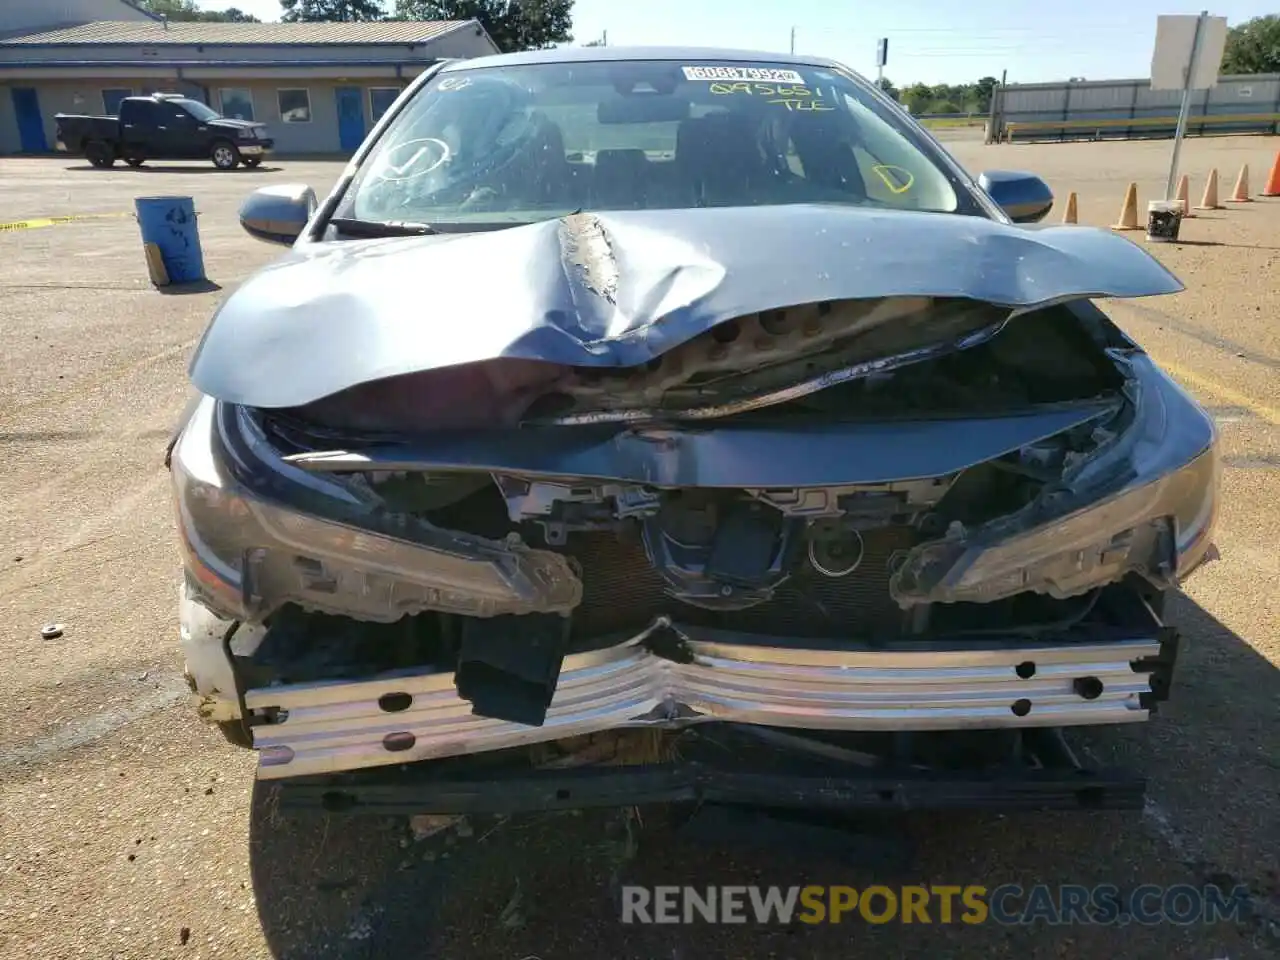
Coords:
pixel 623 592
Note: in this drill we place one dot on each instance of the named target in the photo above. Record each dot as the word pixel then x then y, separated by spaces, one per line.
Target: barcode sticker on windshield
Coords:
pixel 738 74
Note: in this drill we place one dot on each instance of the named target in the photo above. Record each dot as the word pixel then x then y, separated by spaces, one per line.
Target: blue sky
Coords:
pixel 932 41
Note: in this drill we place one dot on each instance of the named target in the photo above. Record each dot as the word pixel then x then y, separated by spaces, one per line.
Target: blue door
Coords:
pixel 26 106
pixel 350 117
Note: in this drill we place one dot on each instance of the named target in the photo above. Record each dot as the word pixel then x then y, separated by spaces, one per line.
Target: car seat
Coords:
pixel 826 154
pixel 719 159
pixel 621 179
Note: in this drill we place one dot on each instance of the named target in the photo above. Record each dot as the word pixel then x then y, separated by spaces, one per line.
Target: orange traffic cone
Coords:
pixel 1183 196
pixel 1069 215
pixel 1272 189
pixel 1129 212
pixel 1210 199
pixel 1241 194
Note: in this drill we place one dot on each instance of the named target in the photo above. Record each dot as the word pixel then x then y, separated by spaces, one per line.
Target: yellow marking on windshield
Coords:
pixel 794 98
pixel 789 91
pixel 804 106
pixel 894 177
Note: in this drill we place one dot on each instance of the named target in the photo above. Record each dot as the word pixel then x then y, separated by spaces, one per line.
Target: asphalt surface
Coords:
pixel 127 829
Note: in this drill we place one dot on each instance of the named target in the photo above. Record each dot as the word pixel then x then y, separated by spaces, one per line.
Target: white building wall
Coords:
pixel 318 136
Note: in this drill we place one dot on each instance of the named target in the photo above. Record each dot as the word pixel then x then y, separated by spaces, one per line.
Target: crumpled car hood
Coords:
pixel 618 289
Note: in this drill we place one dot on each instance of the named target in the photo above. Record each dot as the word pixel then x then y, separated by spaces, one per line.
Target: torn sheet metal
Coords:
pixel 792 392
pixel 799 455
pixel 619 289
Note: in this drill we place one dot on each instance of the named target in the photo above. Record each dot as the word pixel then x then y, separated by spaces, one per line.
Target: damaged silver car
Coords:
pixel 688 393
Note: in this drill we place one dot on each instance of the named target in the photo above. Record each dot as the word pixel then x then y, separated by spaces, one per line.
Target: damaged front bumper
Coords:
pixel 670 677
pixel 327 727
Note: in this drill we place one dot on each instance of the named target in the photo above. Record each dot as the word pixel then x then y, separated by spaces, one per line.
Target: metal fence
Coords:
pixel 1088 109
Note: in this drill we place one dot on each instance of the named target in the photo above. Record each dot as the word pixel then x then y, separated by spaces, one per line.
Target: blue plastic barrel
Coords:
pixel 170 223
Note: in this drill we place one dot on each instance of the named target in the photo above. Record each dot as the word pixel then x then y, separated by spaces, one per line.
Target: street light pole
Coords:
pixel 793 40
pixel 1185 109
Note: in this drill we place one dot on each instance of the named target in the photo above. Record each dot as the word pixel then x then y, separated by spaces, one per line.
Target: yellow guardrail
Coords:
pixel 1122 123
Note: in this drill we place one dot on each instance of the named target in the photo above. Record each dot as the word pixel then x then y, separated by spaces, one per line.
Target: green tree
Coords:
pixel 343 11
pixel 948 92
pixel 513 24
pixel 917 97
pixel 985 89
pixel 1253 46
pixel 232 15
pixel 887 86
pixel 173 9
pixel 187 10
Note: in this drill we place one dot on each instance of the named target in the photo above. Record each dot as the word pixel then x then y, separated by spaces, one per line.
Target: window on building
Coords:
pixel 111 98
pixel 380 100
pixel 237 102
pixel 295 104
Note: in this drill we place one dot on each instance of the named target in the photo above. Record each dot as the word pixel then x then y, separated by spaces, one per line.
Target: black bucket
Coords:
pixel 1164 218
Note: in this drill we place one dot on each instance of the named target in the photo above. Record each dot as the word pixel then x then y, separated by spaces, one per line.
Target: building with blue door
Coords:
pixel 319 87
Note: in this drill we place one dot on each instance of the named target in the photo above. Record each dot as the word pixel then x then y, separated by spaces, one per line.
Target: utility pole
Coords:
pixel 995 110
pixel 793 40
pixel 1184 110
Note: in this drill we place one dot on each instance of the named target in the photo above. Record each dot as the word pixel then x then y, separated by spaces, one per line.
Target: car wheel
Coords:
pixel 225 155
pixel 251 161
pixel 99 154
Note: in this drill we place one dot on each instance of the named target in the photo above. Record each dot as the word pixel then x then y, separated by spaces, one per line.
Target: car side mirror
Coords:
pixel 1023 196
pixel 277 214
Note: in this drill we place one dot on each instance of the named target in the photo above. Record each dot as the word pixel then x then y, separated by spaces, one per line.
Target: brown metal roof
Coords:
pixel 181 32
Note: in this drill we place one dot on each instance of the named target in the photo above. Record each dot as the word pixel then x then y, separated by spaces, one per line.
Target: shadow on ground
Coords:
pixel 1220 243
pixel 185 289
pixel 550 886
pixel 196 166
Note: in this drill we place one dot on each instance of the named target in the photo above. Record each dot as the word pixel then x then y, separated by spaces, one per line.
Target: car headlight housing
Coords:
pixel 257 532
pixel 1145 502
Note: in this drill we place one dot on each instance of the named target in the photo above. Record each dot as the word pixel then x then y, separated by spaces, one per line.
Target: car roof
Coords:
pixel 693 56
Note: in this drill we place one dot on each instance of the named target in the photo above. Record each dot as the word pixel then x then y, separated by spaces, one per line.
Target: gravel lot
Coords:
pixel 127 828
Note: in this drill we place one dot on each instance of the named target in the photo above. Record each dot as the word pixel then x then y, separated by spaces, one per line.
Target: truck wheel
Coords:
pixel 99 154
pixel 225 155
pixel 251 161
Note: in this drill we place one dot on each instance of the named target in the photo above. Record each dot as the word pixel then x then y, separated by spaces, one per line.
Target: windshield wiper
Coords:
pixel 382 228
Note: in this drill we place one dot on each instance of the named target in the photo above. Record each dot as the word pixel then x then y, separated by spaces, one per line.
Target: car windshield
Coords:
pixel 511 144
pixel 197 109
